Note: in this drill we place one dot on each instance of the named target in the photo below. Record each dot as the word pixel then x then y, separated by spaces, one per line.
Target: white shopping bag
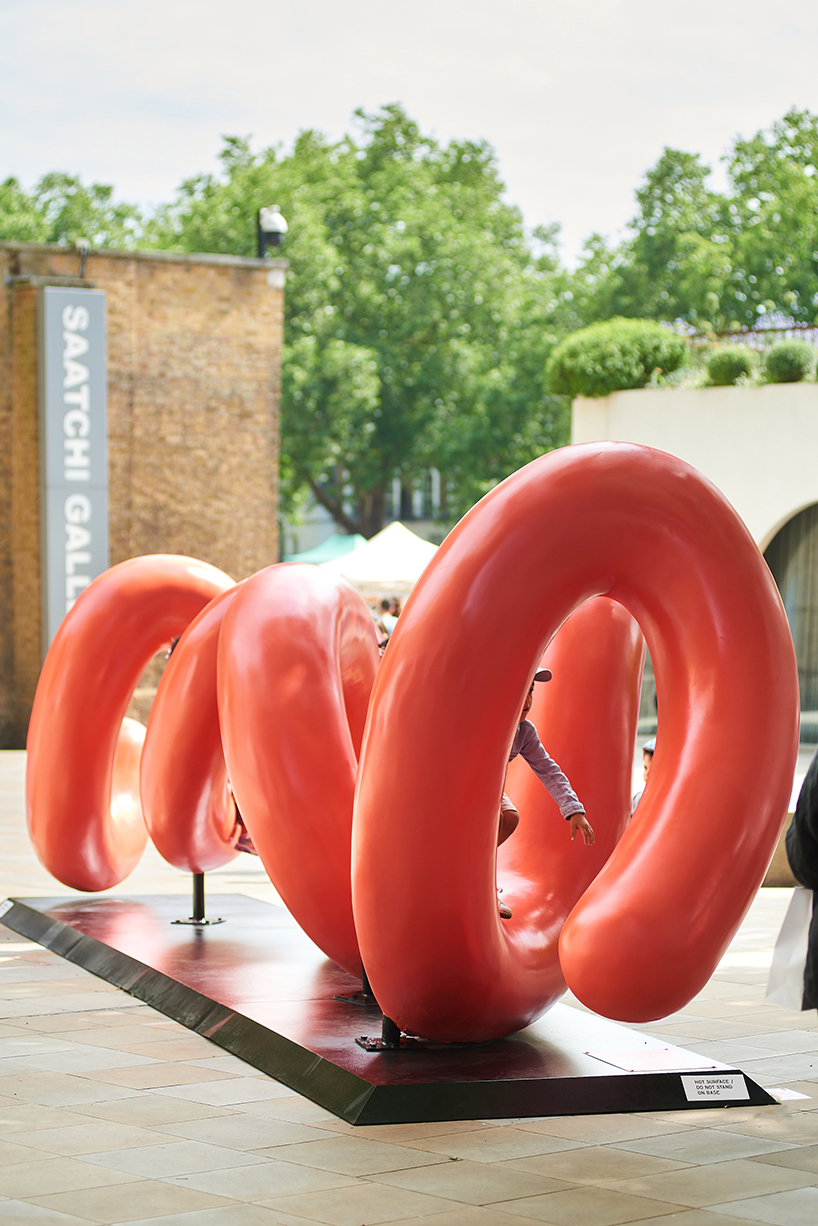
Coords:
pixel 786 983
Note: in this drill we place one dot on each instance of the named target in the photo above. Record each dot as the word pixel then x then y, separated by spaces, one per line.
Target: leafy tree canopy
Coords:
pixel 718 260
pixel 418 317
pixel 61 210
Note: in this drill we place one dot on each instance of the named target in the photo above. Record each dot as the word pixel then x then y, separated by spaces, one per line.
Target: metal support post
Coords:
pixel 198 919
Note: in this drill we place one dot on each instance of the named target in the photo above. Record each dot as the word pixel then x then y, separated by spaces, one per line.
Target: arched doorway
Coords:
pixel 792 556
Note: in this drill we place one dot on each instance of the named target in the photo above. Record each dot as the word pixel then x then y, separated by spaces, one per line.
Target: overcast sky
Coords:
pixel 578 97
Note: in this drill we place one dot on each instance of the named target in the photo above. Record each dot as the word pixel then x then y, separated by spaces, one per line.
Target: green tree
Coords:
pixel 677 258
pixel 681 254
pixel 418 317
pixel 20 219
pixel 717 260
pixel 61 210
pixel 774 214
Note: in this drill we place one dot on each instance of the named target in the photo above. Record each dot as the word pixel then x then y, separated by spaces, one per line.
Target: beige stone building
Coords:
pixel 759 446
pixel 193 361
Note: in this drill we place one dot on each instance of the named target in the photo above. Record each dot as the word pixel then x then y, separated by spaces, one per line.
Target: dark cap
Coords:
pixel 543 674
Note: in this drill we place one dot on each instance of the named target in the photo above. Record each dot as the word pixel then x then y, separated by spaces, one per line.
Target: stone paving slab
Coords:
pixel 110 1113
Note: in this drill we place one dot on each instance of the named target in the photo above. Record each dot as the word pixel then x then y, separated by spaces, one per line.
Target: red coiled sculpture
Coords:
pixel 269 689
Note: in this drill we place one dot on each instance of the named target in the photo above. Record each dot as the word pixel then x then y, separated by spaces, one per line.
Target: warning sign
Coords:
pixel 715 1087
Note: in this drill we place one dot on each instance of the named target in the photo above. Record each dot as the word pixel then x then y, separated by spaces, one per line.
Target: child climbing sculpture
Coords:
pixel 527 742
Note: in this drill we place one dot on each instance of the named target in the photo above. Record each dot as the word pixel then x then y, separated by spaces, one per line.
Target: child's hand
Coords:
pixel 579 822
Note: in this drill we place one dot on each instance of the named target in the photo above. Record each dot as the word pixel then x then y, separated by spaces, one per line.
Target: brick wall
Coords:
pixel 194 347
pixel 6 570
pixel 25 507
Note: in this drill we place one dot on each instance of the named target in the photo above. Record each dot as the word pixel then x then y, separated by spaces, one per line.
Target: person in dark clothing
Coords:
pixel 802 853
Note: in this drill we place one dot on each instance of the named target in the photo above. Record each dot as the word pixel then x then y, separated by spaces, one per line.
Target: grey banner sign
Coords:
pixel 73 447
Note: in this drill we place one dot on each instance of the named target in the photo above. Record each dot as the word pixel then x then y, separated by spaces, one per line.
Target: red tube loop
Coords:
pixel 186 797
pixel 98 655
pixel 635 925
pixel 650 532
pixel 587 717
pixel 297 657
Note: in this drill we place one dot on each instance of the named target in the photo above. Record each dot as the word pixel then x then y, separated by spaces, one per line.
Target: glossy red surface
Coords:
pixel 271 685
pixel 298 654
pixel 587 718
pixel 648 531
pixel 189 809
pixel 90 672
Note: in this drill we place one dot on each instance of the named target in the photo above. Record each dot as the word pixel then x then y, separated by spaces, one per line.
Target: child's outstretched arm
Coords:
pixel 557 783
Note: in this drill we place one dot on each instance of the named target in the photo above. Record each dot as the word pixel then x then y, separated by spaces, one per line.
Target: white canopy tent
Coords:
pixel 388 565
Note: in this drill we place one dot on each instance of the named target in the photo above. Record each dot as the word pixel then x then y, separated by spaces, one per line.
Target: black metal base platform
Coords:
pixel 259 988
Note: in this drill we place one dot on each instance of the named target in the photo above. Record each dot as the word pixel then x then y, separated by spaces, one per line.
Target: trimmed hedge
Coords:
pixel 726 366
pixel 612 356
pixel 790 362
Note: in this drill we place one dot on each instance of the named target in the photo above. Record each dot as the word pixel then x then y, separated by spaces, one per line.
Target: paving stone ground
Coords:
pixel 110 1113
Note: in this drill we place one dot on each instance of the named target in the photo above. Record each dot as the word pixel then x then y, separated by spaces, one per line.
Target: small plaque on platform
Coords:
pixel 715 1088
pixel 654 1060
